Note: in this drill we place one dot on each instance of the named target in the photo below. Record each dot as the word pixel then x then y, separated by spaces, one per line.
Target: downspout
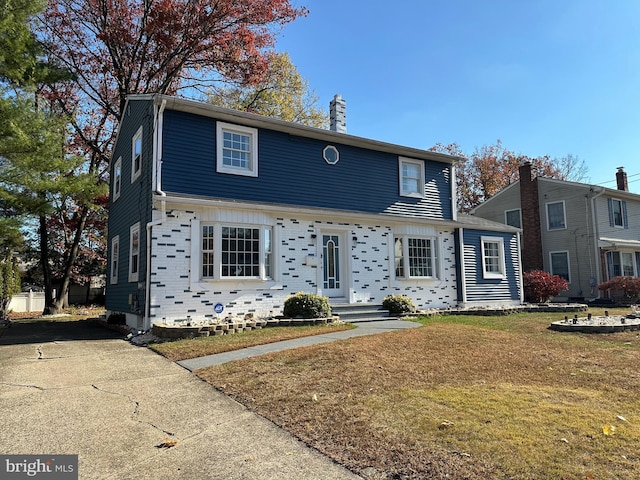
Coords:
pixel 454 193
pixel 596 236
pixel 157 190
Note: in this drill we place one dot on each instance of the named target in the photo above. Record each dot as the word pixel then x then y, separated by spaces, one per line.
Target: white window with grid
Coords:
pixel 237 149
pixel 236 252
pixel 415 257
pixel 411 174
pixel 493 264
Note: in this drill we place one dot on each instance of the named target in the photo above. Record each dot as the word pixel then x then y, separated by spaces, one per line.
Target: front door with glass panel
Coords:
pixel 333 265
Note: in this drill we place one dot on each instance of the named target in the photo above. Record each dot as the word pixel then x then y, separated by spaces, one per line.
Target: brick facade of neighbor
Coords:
pixel 531 226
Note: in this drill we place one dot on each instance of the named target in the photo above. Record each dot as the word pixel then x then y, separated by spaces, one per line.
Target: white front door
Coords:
pixel 333 262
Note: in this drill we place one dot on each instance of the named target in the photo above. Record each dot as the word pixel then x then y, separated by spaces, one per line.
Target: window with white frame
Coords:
pixel 513 218
pixel 625 264
pixel 134 252
pixel 115 256
pixel 237 149
pixel 556 219
pixel 136 155
pixel 117 179
pixel 411 177
pixel 493 264
pixel 617 213
pixel 236 251
pixel 415 257
pixel 560 265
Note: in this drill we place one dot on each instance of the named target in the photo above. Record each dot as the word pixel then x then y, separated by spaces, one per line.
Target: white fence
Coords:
pixel 27 302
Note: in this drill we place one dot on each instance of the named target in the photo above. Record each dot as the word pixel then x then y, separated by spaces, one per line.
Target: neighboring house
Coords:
pixel 584 233
pixel 214 207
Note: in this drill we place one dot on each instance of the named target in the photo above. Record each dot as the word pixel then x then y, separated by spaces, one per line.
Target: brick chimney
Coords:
pixel 531 229
pixel 621 179
pixel 338 114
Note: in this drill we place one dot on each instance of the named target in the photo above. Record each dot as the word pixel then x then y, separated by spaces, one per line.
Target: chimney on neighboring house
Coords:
pixel 621 179
pixel 530 209
pixel 338 114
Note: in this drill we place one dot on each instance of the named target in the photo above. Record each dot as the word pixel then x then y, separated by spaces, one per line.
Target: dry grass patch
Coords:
pixel 457 398
pixel 202 346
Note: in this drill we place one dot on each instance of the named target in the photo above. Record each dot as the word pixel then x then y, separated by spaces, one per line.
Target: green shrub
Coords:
pixel 306 305
pixel 398 304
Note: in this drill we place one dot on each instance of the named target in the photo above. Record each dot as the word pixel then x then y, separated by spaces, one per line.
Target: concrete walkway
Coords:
pixel 363 328
pixel 77 388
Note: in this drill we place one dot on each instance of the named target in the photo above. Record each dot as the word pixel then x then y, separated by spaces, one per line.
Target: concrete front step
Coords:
pixel 360 312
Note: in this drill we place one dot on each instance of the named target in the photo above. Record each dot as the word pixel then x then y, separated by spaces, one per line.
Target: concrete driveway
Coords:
pixel 77 388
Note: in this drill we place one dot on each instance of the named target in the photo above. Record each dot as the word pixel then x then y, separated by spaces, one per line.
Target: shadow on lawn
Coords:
pixel 39 331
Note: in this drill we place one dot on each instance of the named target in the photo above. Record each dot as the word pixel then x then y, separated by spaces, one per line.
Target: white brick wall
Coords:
pixel 176 295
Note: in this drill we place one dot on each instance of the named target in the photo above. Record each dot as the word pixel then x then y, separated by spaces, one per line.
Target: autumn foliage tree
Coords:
pixel 281 93
pixel 115 48
pixel 491 168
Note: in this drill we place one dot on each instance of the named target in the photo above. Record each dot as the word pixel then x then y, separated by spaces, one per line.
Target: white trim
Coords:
pixel 435 257
pixel 252 133
pixel 135 174
pixel 334 149
pixel 501 261
pixel 115 255
pixel 117 179
pixel 567 256
pixel 197 279
pixel 416 163
pixel 134 276
pixel 564 213
pixel 612 213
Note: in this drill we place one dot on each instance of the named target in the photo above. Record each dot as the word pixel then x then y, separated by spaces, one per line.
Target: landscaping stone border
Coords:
pixel 175 332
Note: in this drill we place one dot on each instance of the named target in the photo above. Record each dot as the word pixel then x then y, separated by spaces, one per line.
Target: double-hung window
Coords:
pixel 623 263
pixel 236 149
pixel 134 252
pixel 117 178
pixel 236 252
pixel 560 265
pixel 493 264
pixel 617 213
pixel 556 219
pixel 415 257
pixel 115 253
pixel 411 177
pixel 136 155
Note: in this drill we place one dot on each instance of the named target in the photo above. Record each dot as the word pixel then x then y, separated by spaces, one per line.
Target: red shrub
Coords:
pixel 629 287
pixel 541 286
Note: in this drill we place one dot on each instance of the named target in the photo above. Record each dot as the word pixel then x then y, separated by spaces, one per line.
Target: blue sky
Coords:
pixel 547 77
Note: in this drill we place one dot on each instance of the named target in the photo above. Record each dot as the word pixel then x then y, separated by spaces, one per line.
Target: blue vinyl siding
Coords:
pixel 292 171
pixel 479 289
pixel 134 205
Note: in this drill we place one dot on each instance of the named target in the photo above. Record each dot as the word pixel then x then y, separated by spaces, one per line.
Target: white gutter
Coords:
pixel 157 190
pixel 596 238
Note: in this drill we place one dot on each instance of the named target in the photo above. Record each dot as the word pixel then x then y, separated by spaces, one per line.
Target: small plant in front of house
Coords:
pixel 628 288
pixel 540 287
pixel 397 304
pixel 306 305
